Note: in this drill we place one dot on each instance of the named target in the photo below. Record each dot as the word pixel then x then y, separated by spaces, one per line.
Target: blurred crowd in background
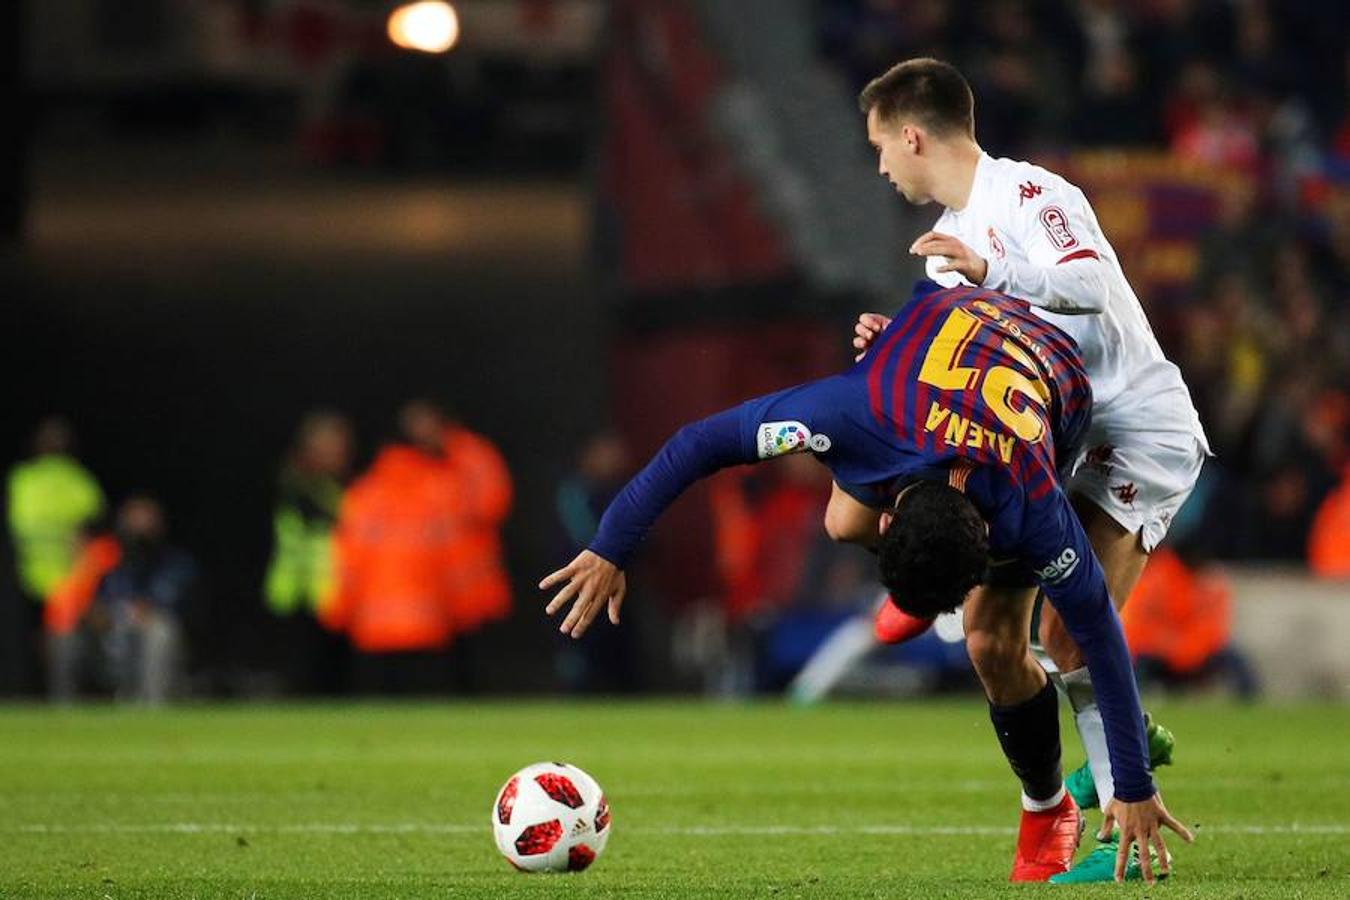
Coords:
pixel 1255 90
pixel 387 579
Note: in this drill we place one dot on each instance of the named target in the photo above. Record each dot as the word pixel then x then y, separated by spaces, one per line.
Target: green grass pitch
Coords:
pixel 866 800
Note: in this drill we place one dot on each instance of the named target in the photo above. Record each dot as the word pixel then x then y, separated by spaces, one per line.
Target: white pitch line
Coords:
pixel 1293 828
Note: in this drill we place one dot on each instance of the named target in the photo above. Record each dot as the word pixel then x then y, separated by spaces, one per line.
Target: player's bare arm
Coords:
pixel 960 258
pixel 850 521
pixel 592 583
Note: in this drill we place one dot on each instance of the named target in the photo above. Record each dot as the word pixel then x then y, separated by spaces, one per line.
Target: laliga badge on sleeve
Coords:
pixel 782 438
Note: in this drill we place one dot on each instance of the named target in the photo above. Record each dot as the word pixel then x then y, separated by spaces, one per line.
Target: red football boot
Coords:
pixel 1046 841
pixel 892 625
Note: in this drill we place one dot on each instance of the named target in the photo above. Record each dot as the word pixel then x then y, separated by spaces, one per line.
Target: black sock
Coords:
pixel 1029 733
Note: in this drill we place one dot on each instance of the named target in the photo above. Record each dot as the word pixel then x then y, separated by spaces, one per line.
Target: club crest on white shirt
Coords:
pixel 995 245
pixel 1057 227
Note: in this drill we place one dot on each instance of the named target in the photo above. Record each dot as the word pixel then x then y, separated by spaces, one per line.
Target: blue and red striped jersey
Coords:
pixel 970 374
pixel 966 386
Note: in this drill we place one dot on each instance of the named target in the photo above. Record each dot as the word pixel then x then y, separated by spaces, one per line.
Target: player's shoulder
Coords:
pixel 929 295
pixel 1017 183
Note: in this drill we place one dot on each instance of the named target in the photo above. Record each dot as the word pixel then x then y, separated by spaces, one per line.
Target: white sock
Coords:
pixel 1042 805
pixel 1088 719
pixel 1093 734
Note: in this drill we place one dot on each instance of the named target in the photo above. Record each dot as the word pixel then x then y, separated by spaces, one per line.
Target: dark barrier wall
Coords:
pixel 185 371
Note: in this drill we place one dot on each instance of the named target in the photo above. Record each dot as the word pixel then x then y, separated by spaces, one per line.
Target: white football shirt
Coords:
pixel 1043 244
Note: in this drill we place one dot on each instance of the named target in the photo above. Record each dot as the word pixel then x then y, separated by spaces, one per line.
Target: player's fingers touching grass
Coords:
pixel 1134 843
pixel 1172 822
pixel 1141 824
pixel 1143 843
pixel 1108 822
pixel 1164 864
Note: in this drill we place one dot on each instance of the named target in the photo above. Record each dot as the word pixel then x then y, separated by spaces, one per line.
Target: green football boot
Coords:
pixel 1082 788
pixel 1100 865
pixel 1161 743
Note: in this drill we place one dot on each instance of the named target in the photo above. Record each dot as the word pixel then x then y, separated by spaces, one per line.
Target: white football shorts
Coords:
pixel 1140 479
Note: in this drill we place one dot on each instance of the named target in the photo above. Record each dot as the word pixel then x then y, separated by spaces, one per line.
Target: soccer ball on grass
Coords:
pixel 550 817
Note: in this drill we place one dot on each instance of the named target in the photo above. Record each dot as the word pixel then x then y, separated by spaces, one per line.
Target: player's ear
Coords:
pixel 884 521
pixel 913 138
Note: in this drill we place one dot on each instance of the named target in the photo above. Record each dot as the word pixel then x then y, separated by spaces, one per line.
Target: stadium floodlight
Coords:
pixel 431 26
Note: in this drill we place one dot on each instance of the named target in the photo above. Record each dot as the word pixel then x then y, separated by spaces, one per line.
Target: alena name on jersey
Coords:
pixel 781 438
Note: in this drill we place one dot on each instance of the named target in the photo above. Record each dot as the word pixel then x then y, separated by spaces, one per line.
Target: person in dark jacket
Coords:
pixel 130 635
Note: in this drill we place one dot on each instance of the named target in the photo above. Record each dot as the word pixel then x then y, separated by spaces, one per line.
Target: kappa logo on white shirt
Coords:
pixel 1028 190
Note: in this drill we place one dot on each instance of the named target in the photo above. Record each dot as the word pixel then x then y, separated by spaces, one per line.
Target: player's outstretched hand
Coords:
pixel 593 582
pixel 960 258
pixel 1141 823
pixel 869 326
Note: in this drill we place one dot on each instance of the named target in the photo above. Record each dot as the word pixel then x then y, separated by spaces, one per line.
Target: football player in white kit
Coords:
pixel 1017 228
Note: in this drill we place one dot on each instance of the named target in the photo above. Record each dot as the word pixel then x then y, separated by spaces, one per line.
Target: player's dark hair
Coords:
pixel 929 91
pixel 934 551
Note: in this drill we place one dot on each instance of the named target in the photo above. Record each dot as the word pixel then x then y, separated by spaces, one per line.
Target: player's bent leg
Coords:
pixel 997 623
pixel 1024 711
pixel 1123 557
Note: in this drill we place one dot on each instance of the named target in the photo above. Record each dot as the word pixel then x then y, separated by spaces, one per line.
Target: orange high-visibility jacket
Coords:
pixel 1177 614
pixel 70 599
pixel 1329 540
pixel 480 589
pixel 395 543
pixel 762 548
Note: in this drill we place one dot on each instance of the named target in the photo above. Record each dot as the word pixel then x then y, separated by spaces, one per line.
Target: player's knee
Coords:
pixel 995 654
pixel 1059 646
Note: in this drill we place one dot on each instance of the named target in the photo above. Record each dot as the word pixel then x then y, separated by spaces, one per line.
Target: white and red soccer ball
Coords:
pixel 550 817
